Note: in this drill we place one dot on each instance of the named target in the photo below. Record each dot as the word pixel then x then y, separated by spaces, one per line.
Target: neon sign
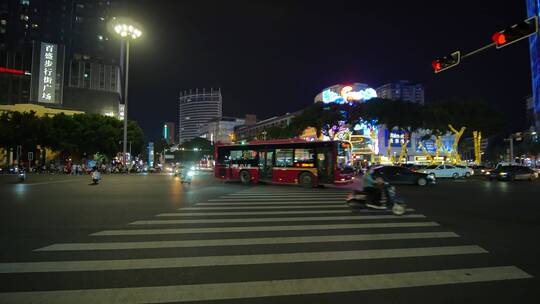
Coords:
pixel 348 94
pixel 47 73
pixel 12 71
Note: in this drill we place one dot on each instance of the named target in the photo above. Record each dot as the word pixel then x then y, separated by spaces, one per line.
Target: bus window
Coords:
pixel 243 157
pixel 304 158
pixel 343 155
pixel 284 157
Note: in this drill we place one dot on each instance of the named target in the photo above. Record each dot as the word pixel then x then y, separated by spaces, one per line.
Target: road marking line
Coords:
pixel 205 261
pixel 225 213
pixel 273 199
pixel 287 194
pixel 244 241
pixel 261 228
pixel 226 207
pixel 256 289
pixel 278 219
pixel 345 211
pixel 338 202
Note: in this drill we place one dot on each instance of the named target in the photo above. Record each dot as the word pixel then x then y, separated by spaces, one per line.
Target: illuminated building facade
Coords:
pixel 533 9
pixel 196 109
pixel 339 93
pixel 402 90
pixel 373 142
pixel 64 53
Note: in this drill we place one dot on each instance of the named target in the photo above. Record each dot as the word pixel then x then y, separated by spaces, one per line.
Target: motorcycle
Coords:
pixel 22 175
pixel 187 177
pixel 359 200
pixel 96 177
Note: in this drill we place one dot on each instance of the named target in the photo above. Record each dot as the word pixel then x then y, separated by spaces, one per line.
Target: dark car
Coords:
pixel 480 170
pixel 400 175
pixel 513 173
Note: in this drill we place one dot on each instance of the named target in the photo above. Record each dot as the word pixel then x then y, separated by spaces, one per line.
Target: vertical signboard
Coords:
pixel 150 154
pixel 533 9
pixel 121 111
pixel 47 73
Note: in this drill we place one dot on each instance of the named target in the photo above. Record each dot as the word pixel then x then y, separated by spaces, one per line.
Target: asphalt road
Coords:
pixel 150 239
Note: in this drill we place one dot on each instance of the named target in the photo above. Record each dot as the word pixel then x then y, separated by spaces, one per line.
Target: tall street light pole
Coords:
pixel 124 147
pixel 127 30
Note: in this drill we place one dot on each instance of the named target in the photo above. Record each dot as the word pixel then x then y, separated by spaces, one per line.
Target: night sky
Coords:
pixel 273 57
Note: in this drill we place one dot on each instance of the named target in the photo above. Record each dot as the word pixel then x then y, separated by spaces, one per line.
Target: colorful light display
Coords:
pixel 357 92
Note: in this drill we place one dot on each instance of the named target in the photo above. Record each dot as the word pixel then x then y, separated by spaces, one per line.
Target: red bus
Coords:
pixel 308 163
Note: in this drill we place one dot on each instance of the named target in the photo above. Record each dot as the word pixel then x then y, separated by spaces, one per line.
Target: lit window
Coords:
pixel 25 2
pixel 3 22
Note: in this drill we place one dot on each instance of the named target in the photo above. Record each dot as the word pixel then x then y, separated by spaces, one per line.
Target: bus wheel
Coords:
pixel 245 177
pixel 306 180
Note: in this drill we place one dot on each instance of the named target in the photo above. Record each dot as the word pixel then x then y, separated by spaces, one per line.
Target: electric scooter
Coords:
pixel 96 177
pixel 359 200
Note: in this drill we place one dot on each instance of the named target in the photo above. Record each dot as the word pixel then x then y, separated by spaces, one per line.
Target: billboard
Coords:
pixel 47 73
pixel 357 92
pixel 397 138
pixel 533 9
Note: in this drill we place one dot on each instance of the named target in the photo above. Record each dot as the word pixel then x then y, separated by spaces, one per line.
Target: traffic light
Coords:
pixel 446 62
pixel 516 32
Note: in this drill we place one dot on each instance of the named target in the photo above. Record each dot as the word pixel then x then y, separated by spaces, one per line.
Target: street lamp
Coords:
pixel 127 30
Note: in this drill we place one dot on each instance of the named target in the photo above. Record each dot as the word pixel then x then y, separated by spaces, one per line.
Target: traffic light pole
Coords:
pixel 478 50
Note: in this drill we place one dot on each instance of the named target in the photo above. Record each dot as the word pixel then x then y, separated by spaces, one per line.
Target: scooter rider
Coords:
pixel 372 187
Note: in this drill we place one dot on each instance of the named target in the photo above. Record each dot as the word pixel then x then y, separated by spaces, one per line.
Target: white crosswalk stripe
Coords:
pixel 230 199
pixel 245 241
pixel 279 219
pixel 239 290
pixel 340 202
pixel 185 214
pixel 97 265
pixel 156 231
pixel 299 225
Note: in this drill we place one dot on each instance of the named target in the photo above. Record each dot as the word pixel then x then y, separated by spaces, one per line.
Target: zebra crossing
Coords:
pixel 264 241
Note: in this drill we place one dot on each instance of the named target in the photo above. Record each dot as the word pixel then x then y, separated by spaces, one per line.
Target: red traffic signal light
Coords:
pixel 516 32
pixel 499 38
pixel 446 62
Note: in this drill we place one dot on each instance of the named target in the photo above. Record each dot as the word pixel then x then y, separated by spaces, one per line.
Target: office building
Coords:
pixel 197 108
pixel 402 90
pixel 58 52
pixel 255 131
pixel 168 133
pixel 221 130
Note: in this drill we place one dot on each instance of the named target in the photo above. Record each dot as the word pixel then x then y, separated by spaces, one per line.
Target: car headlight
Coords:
pixel 191 173
pixel 503 174
pixel 431 176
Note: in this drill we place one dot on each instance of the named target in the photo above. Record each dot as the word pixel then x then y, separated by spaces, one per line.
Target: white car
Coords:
pixel 446 171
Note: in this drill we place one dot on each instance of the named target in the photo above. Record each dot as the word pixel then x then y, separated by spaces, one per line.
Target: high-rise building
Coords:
pixel 168 133
pixel 197 108
pixel 71 33
pixel 533 9
pixel 402 90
